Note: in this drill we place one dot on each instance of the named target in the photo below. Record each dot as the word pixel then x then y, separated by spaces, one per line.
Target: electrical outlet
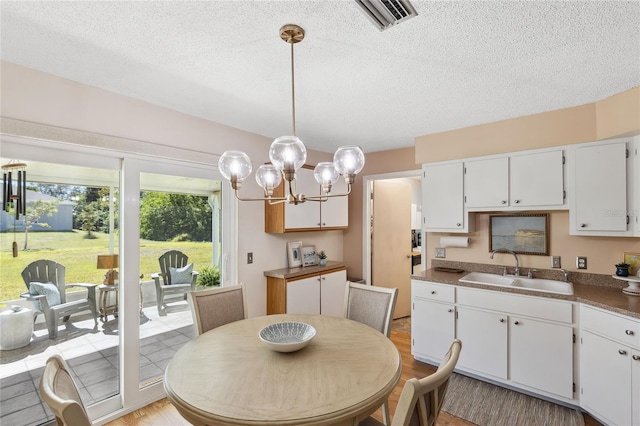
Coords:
pixel 555 262
pixel 249 258
pixel 441 253
pixel 581 262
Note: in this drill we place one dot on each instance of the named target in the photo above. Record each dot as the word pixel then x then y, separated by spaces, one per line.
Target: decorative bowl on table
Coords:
pixel 287 336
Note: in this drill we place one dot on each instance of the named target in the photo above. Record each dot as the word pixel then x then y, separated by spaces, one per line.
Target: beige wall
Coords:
pixel 602 252
pixel 376 163
pixel 615 116
pixel 618 115
pixel 56 104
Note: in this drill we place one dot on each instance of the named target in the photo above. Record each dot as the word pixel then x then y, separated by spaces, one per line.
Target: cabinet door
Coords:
pixel 334 213
pixel 432 328
pixel 443 198
pixel 307 214
pixel 600 188
pixel 541 355
pixel 536 179
pixel 486 183
pixel 605 379
pixel 303 296
pixel 332 293
pixel 635 386
pixel 484 336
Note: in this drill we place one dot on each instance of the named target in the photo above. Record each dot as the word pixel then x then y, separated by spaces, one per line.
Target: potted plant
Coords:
pixel 323 258
pixel 622 269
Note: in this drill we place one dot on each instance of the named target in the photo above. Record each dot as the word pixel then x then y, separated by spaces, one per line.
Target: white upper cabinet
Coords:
pixel 443 198
pixel 532 180
pixel 537 179
pixel 604 189
pixel 310 215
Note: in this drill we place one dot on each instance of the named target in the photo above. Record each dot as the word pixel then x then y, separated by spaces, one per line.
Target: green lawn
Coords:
pixel 79 255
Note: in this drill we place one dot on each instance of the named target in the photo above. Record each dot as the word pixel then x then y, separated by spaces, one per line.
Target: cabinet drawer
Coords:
pixel 622 329
pixel 433 291
pixel 537 307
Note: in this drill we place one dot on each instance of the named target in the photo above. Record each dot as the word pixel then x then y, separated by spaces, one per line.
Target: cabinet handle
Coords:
pixel 433 292
pixel 458 224
pixel 504 202
pixel 629 332
pixel 323 278
pixel 517 323
pixel 636 357
pixel 408 256
pixel 324 224
pixel 517 201
pixel 622 352
pixel 501 319
pixel 583 225
pixel 318 223
pixel 451 310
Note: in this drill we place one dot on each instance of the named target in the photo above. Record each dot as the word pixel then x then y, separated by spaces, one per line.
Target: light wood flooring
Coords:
pixel 163 413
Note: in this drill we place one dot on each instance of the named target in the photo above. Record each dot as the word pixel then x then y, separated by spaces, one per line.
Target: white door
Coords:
pixel 432 328
pixel 540 354
pixel 443 197
pixel 335 211
pixel 605 379
pixel 332 292
pixel 307 214
pixel 536 179
pixel 601 198
pixel 391 245
pixel 484 336
pixel 486 182
pixel 303 296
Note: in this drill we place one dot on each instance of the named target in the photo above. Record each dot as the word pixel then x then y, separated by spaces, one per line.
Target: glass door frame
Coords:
pixel 130 166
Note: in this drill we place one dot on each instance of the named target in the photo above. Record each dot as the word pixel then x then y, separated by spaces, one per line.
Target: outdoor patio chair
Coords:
pixel 47 290
pixel 218 306
pixel 60 392
pixel 176 276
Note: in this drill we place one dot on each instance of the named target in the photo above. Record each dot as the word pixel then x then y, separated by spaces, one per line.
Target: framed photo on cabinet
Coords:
pixel 309 257
pixel 294 253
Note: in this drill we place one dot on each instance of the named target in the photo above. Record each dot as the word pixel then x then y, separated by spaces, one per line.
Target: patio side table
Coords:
pixel 16 328
pixel 106 305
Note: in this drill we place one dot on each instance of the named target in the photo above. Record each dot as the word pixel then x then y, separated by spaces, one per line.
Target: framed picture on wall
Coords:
pixel 294 254
pixel 309 256
pixel 520 233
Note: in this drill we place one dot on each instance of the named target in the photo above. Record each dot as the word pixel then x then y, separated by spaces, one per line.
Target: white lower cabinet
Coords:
pixel 484 339
pixel 610 366
pixel 320 294
pixel 435 323
pixel 541 355
pixel 523 341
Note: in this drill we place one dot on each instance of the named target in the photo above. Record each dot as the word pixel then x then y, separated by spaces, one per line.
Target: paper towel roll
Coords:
pixel 454 241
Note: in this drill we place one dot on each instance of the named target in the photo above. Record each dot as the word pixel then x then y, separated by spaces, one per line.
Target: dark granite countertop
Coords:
pixel 608 296
pixel 288 273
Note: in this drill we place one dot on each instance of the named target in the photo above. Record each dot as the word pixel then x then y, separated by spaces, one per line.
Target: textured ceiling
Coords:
pixel 457 64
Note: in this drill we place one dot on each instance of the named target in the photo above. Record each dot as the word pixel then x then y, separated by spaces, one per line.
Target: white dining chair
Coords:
pixel 216 307
pixel 421 400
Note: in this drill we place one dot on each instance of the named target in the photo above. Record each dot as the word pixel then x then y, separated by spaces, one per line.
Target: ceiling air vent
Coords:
pixel 386 13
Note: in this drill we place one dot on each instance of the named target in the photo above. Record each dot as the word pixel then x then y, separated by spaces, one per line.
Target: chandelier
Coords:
pixel 287 154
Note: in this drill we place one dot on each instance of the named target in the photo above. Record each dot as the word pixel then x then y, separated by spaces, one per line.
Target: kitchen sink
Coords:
pixel 535 284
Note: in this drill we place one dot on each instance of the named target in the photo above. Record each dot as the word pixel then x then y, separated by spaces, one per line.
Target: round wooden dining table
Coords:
pixel 228 376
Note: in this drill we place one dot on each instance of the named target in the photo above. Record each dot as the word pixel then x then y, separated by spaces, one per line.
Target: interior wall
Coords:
pixel 396 160
pixel 602 252
pixel 136 126
pixel 618 115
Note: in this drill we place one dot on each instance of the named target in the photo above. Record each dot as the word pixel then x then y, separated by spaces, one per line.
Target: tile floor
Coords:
pixel 92 355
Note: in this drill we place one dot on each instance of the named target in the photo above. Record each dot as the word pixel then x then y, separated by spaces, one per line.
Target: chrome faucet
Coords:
pixel 565 275
pixel 517 271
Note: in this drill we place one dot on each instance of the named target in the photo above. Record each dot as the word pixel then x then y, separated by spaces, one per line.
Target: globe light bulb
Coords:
pixel 288 153
pixel 268 177
pixel 235 166
pixel 326 175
